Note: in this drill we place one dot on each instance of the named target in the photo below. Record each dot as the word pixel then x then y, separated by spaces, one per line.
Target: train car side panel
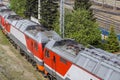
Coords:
pixel 8 26
pixel 3 21
pixel 56 63
pixel 76 73
pixel 19 35
pixel 34 47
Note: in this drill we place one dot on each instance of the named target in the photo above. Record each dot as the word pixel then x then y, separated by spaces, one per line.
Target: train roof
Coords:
pixel 12 18
pixel 95 60
pixel 22 24
pixel 41 34
pixel 66 48
pixel 3 7
pixel 101 63
pixel 7 12
pixel 33 30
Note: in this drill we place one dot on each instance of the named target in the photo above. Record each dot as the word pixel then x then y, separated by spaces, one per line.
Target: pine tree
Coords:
pixel 18 6
pixel 25 8
pixel 82 4
pixel 82 29
pixel 49 13
pixel 85 4
pixel 112 41
pixel 31 8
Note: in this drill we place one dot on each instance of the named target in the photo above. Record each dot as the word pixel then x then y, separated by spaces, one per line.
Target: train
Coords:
pixel 57 58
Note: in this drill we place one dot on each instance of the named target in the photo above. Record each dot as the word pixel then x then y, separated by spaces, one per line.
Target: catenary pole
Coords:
pixel 62 18
pixel 39 5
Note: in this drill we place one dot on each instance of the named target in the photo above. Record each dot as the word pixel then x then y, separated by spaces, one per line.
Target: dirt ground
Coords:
pixel 13 66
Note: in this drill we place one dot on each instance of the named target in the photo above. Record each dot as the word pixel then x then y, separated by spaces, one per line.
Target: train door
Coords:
pixel 50 60
pixel 35 48
pixel 57 64
pixel 32 44
pixel 29 42
pixel 54 61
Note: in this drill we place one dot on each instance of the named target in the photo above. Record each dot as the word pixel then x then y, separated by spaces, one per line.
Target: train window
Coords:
pixel 54 58
pixel 63 60
pixel 36 46
pixel 32 44
pixel 47 54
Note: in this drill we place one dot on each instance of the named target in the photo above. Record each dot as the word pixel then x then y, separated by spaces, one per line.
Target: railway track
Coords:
pixel 108 21
pixel 107 17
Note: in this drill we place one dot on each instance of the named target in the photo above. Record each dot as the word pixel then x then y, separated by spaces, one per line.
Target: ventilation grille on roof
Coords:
pixel 14 17
pixel 2 5
pixel 70 45
pixel 4 10
pixel 104 56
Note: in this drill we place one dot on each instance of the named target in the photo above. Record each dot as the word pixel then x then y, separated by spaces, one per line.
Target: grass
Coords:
pixel 3 39
pixel 8 62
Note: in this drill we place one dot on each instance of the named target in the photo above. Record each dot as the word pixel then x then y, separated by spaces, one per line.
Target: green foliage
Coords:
pixel 112 44
pixel 25 8
pixel 79 27
pixel 56 24
pixel 3 39
pixel 82 4
pixel 49 13
pixel 31 8
pixel 18 6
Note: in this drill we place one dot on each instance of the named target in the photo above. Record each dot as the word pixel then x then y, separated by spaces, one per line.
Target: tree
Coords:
pixel 85 4
pixel 25 8
pixel 49 13
pixel 31 8
pixel 18 6
pixel 82 4
pixel 112 44
pixel 79 27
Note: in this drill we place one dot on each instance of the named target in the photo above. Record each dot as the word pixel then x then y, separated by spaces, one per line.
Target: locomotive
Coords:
pixel 57 58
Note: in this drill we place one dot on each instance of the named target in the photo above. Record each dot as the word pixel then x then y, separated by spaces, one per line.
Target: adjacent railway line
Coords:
pixel 106 21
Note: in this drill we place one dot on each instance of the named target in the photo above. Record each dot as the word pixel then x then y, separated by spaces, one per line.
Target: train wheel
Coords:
pixel 34 63
pixel 15 45
pixel 22 52
pixel 29 60
pixel 50 77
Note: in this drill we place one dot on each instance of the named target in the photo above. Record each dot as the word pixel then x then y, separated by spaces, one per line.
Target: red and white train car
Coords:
pixel 28 36
pixel 1 8
pixel 4 13
pixel 68 60
pixel 59 59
